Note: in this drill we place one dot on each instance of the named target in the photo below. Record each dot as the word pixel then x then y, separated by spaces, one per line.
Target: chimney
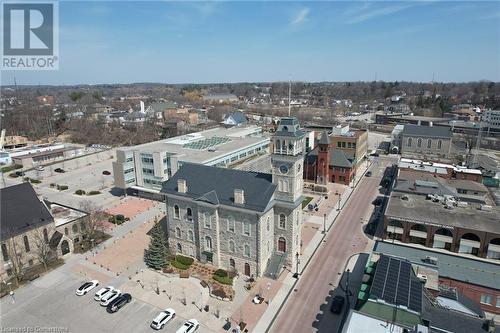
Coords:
pixel 181 186
pixel 239 196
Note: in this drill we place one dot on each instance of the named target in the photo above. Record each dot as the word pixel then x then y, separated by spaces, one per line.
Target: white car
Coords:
pixel 86 287
pixel 102 292
pixel 163 318
pixel 110 297
pixel 39 168
pixel 189 326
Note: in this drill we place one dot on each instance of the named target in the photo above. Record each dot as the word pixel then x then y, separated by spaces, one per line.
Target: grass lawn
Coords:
pixel 306 201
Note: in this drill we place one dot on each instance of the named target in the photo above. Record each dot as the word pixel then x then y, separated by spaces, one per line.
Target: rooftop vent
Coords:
pixel 239 196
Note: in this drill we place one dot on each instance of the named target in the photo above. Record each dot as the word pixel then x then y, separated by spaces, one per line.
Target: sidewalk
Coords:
pixel 289 282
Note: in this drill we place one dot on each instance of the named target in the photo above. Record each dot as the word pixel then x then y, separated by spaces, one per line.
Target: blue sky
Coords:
pixel 200 42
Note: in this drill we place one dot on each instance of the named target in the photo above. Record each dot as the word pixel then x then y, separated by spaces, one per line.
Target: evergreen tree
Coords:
pixel 156 254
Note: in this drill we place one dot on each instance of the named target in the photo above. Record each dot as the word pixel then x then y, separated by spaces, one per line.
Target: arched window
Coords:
pixel 419 142
pixel 283 146
pixel 26 243
pixel 439 144
pixel 429 143
pixel 45 235
pixel 282 221
pixel 409 142
pixel 247 250
pixel 231 246
pixel 74 228
pixel 208 243
pixel 278 145
pixel 179 247
pixel 178 232
pixel 66 232
pixel 190 235
pixel 189 214
pixel 208 220
pixel 176 212
pixel 246 228
pixel 232 264
pixel 230 223
pixel 268 224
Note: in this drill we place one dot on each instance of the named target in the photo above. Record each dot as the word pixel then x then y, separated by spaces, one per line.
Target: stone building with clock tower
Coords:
pixel 241 220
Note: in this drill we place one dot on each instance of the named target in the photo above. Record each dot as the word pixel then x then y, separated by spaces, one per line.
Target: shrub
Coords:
pixel 26 179
pixel 12 167
pixel 120 217
pixel 221 273
pixel 223 279
pixel 179 265
pixel 52 185
pixel 80 192
pixel 93 192
pixel 184 260
pixel 111 219
pixel 62 187
pixel 13 175
pixel 35 181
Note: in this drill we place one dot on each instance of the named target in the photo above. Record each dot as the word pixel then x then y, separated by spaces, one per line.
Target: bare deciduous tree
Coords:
pixel 92 224
pixel 42 248
pixel 16 257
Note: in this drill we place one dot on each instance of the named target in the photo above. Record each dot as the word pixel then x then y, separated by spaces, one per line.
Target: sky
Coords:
pixel 236 41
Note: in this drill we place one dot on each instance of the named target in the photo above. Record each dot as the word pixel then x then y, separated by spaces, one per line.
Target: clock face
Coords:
pixel 283 169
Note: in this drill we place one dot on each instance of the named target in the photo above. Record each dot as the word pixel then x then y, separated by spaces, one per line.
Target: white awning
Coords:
pixel 395 230
pixel 443 238
pixel 419 234
pixel 470 243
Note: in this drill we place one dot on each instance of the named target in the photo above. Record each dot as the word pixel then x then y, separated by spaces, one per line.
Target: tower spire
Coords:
pixel 289 98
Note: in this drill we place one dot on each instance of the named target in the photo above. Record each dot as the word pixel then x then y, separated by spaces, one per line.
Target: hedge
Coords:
pixel 187 261
pixel 179 265
pixel 62 187
pixel 221 273
pixel 13 175
pixel 35 181
pixel 93 192
pixel 79 192
pixel 223 279
pixel 12 167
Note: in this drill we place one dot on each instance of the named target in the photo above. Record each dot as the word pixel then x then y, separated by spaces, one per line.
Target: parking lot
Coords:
pixel 58 306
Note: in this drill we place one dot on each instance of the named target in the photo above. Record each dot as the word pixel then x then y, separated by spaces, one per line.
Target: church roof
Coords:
pixel 216 186
pixel 325 139
pixel 338 158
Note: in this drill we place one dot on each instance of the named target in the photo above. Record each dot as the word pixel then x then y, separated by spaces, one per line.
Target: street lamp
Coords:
pixel 324 223
pixel 296 274
pixel 338 202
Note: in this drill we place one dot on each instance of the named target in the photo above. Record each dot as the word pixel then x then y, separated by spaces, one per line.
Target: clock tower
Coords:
pixel 287 160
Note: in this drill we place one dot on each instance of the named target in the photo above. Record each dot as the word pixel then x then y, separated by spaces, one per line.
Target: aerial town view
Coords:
pixel 250 166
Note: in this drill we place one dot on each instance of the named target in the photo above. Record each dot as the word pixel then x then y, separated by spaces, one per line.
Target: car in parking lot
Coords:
pixel 368 174
pixel 110 297
pixel 59 170
pixel 189 326
pixel 102 292
pixel 39 168
pixel 118 303
pixel 163 318
pixel 337 304
pixel 86 287
pixel 378 201
pixel 106 172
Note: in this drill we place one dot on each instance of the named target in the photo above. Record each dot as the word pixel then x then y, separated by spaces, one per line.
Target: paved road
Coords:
pixel 306 303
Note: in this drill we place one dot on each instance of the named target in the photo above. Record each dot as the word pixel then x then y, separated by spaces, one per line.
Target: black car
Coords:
pixel 59 170
pixel 368 174
pixel 377 201
pixel 106 172
pixel 337 304
pixel 118 303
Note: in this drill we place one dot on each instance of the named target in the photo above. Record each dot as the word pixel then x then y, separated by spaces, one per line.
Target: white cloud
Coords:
pixel 300 17
pixel 366 12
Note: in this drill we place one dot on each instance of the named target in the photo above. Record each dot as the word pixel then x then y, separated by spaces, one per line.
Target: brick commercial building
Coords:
pixel 456 215
pixel 241 220
pixel 476 279
pixel 336 157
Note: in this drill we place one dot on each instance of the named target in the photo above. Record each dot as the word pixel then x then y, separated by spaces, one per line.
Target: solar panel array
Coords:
pixel 206 143
pixel 396 283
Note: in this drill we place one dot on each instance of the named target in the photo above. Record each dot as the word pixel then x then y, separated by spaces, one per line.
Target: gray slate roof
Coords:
pixel 325 139
pixel 212 184
pixel 21 210
pixel 427 131
pixel 237 116
pixel 338 158
pixel 451 266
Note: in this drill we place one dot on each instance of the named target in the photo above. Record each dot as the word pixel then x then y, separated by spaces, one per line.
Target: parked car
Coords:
pixel 118 303
pixel 337 304
pixel 86 287
pixel 189 326
pixel 19 173
pixel 377 201
pixel 163 318
pixel 39 168
pixel 59 170
pixel 102 292
pixel 110 297
pixel 368 174
pixel 106 172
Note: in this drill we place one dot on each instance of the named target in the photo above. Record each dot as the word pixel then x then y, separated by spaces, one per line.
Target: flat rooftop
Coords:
pixel 64 214
pixel 204 146
pixel 360 323
pixel 415 208
pixel 456 267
